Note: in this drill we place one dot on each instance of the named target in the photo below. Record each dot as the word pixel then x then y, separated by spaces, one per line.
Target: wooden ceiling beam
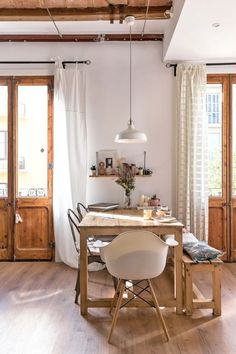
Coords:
pixel 117 2
pixel 81 14
pixel 79 38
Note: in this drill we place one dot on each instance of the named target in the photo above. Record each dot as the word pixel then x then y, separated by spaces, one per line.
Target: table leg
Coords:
pixel 175 272
pixel 178 272
pixel 83 273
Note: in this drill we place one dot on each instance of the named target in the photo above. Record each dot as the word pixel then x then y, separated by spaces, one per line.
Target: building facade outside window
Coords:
pixel 214 116
pixel 3 145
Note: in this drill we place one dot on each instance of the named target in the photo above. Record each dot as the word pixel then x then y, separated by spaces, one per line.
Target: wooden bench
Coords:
pixel 189 267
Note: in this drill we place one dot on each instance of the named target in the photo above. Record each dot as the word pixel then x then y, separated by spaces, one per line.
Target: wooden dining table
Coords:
pixel 103 224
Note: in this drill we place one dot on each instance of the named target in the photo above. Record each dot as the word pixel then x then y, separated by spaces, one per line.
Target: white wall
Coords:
pixel 173 22
pixel 108 107
pixel 221 69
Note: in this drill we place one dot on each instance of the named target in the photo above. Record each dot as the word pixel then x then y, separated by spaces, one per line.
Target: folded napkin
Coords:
pixel 187 237
pixel 95 266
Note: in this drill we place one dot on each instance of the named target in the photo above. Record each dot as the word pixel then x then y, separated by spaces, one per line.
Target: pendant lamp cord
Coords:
pixel 146 15
pixel 130 74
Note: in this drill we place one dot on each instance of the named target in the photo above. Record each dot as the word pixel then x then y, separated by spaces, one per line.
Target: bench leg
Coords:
pixel 216 278
pixel 188 290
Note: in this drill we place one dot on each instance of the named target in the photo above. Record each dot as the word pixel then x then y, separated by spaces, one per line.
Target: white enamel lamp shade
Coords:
pixel 130 135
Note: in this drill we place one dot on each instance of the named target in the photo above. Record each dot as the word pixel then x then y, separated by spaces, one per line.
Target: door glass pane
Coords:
pixel 234 140
pixel 214 115
pixel 32 141
pixel 3 140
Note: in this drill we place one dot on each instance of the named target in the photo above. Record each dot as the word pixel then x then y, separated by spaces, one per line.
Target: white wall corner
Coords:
pixel 169 32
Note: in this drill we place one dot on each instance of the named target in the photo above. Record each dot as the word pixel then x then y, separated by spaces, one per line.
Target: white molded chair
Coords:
pixel 135 255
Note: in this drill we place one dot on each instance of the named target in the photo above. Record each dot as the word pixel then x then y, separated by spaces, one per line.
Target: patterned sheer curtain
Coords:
pixel 192 153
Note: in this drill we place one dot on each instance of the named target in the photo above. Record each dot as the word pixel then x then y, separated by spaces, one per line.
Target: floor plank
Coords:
pixel 38 316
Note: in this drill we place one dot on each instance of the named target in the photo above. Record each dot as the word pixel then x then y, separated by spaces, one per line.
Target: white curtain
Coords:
pixel 192 182
pixel 70 156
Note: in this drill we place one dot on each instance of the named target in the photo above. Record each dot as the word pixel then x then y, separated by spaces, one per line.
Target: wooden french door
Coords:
pixel 6 177
pixel 26 229
pixel 232 163
pixel 221 108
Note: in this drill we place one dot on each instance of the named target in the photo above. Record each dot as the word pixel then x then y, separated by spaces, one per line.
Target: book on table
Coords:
pixel 102 206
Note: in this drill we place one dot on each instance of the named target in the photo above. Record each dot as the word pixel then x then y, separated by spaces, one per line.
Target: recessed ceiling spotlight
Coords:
pixel 216 24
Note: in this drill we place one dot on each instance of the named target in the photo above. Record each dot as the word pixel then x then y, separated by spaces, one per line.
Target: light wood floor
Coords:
pixel 38 316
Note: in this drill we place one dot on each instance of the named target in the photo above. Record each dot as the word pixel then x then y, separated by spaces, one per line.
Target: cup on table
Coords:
pixel 160 213
pixel 147 214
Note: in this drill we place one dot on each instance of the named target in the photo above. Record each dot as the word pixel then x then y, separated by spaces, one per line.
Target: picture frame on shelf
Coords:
pixel 106 162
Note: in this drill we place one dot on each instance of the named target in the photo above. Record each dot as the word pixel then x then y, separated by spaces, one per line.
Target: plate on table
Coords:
pixel 167 219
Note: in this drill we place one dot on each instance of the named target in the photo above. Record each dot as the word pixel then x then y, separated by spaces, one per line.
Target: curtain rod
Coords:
pixel 64 62
pixel 168 65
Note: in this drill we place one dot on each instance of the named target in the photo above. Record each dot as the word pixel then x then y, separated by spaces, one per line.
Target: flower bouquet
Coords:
pixel 127 181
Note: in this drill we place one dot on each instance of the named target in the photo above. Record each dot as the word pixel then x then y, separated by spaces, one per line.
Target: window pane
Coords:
pixel 32 141
pixel 3 140
pixel 214 113
pixel 234 140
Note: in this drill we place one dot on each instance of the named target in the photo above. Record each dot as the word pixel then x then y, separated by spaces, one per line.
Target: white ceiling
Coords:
pixel 81 27
pixel 195 39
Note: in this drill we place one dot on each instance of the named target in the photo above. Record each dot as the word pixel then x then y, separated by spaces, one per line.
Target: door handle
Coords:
pixel 7 204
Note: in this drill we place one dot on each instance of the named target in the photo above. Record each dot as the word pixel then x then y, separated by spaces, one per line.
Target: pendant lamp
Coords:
pixel 130 135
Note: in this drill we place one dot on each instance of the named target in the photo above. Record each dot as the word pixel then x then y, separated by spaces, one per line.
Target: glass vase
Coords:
pixel 127 203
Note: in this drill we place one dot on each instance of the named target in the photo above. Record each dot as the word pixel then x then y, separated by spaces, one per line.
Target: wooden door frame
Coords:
pixel 7 203
pixel 12 83
pixel 222 202
pixel 42 201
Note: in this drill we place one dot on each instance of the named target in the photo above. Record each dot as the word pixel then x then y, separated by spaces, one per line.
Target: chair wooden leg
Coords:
pixel 115 282
pixel 115 297
pixel 115 317
pixel 158 309
pixel 77 286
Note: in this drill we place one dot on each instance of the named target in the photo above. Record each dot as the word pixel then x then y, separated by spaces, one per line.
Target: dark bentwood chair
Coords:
pixel 74 221
pixel 75 231
pixel 81 210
